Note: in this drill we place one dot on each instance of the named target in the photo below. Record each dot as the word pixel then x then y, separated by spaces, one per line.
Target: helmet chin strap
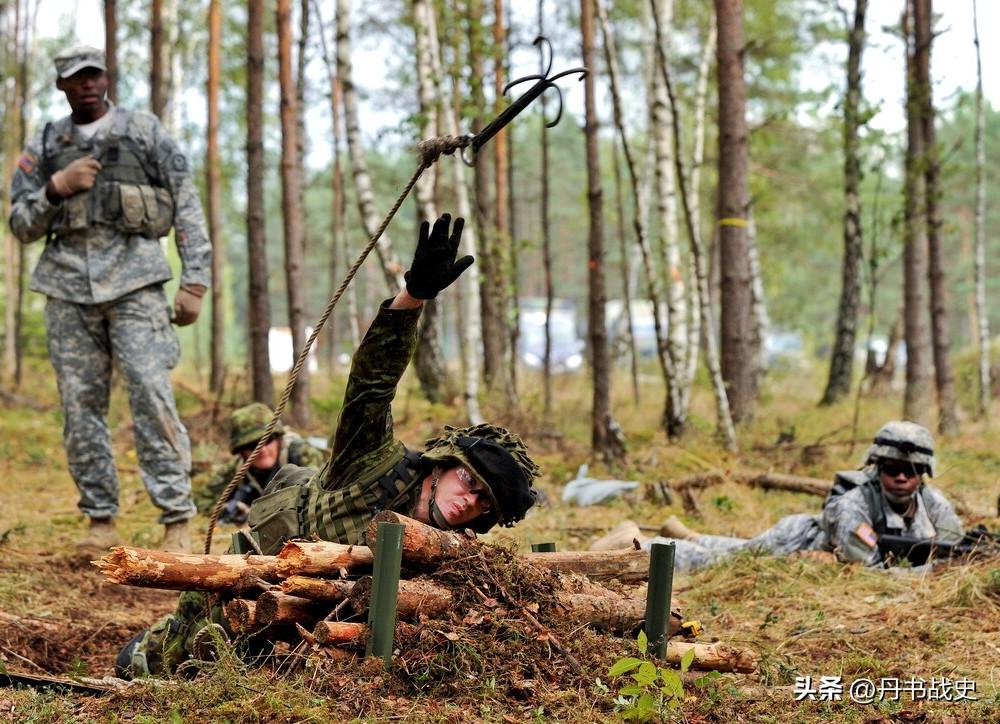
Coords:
pixel 897 499
pixel 434 513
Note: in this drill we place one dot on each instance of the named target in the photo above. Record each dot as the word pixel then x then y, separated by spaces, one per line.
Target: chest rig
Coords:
pixel 129 194
pixel 295 505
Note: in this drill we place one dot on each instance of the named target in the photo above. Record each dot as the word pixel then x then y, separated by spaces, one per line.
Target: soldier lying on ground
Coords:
pixel 888 496
pixel 475 477
pixel 246 427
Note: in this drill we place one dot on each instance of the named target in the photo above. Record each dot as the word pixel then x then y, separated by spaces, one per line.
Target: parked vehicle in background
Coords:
pixel 567 345
pixel 643 326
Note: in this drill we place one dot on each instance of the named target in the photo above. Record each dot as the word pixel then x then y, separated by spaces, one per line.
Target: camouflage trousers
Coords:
pixel 792 533
pixel 133 333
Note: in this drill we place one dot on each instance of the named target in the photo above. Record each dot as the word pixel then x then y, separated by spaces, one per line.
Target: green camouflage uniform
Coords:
pixel 336 503
pixel 102 271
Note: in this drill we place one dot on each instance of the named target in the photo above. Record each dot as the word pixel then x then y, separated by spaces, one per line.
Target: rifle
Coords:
pixel 977 543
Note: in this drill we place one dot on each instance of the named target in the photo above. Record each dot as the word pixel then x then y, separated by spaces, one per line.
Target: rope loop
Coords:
pixel 430 150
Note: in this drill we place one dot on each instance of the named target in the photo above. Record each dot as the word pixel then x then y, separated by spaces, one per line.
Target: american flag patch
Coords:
pixel 866 535
pixel 26 163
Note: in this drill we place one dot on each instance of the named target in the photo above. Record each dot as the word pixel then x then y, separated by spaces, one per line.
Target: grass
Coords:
pixel 803 617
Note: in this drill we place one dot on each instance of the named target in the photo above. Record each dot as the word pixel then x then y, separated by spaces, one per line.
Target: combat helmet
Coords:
pixel 499 459
pixel 248 424
pixel 906 441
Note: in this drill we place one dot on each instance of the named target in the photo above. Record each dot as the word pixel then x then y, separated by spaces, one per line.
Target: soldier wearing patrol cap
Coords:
pixel 886 496
pixel 473 477
pixel 102 185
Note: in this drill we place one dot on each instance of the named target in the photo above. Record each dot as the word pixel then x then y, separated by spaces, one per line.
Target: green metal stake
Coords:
pixel 661 586
pixel 385 588
pixel 543 547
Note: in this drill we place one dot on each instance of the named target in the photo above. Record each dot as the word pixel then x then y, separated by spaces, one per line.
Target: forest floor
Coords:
pixel 803 617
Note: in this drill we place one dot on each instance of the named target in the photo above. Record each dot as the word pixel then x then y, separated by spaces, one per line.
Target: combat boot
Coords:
pixel 103 534
pixel 177 537
pixel 673 528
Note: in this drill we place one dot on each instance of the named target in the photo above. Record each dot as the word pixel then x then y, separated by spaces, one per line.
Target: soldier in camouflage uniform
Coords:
pixel 887 496
pixel 474 477
pixel 102 185
pixel 246 427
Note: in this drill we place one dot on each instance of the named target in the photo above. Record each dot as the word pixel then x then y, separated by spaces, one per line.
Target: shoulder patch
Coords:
pixel 867 535
pixel 27 162
pixel 178 163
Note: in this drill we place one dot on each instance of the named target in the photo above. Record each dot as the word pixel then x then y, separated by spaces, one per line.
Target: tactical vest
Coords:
pixel 295 505
pixel 129 195
pixel 846 480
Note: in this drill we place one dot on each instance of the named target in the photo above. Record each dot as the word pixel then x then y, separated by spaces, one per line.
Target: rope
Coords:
pixel 428 153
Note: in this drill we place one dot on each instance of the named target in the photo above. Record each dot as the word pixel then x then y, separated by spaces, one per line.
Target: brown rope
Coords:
pixel 428 151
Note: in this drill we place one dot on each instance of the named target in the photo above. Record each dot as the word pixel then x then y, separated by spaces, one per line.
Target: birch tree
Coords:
pixel 213 196
pixel 259 305
pixel 983 331
pixel 291 208
pixel 392 270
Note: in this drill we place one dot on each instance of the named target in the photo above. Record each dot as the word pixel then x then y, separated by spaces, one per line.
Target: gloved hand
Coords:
pixel 79 175
pixel 434 266
pixel 187 304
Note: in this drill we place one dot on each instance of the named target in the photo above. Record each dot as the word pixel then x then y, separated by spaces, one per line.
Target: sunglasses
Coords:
pixel 894 468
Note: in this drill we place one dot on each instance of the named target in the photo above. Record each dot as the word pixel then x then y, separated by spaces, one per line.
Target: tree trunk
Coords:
pixel 842 357
pixel 758 311
pixel 259 305
pixel 724 418
pixel 428 359
pixel 213 193
pixel 241 615
pixel 187 572
pixel 301 63
pixel 318 589
pixel 627 566
pixel 275 608
pixel 606 439
pixel 641 204
pixel 916 398
pixel 546 224
pixel 392 270
pixel 502 244
pixel 321 558
pixel 944 376
pixel 415 597
pixel 111 47
pixel 15 58
pixel 423 545
pixel 983 331
pixel 713 657
pixel 674 414
pixel 157 90
pixel 736 293
pixel 626 314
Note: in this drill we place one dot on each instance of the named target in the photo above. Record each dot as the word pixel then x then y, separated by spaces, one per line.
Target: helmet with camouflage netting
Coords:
pixel 905 441
pixel 248 424
pixel 500 460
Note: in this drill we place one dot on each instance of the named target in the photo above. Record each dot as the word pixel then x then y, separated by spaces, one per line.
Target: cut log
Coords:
pixel 610 611
pixel 713 657
pixel 767 481
pixel 187 572
pixel 622 565
pixel 341 633
pixel 414 597
pixel 423 545
pixel 317 589
pixel 321 558
pixel 277 608
pixel 240 614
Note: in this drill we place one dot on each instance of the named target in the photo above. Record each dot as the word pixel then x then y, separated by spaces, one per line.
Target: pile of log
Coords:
pixel 309 585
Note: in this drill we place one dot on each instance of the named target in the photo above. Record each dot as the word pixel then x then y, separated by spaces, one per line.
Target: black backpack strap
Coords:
pixel 397 481
pixel 873 497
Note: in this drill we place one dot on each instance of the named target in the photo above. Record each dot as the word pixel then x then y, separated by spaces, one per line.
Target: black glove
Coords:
pixel 434 266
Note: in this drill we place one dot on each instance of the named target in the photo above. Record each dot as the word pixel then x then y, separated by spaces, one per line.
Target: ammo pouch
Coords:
pixel 275 517
pixel 136 208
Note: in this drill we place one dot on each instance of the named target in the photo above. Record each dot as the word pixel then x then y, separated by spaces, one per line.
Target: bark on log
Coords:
pixel 609 611
pixel 276 608
pixel 414 597
pixel 341 633
pixel 321 558
pixel 767 481
pixel 187 572
pixel 713 657
pixel 241 616
pixel 623 565
pixel 423 545
pixel 317 589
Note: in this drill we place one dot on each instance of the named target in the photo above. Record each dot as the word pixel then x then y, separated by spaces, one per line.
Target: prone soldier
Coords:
pixel 102 185
pixel 473 477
